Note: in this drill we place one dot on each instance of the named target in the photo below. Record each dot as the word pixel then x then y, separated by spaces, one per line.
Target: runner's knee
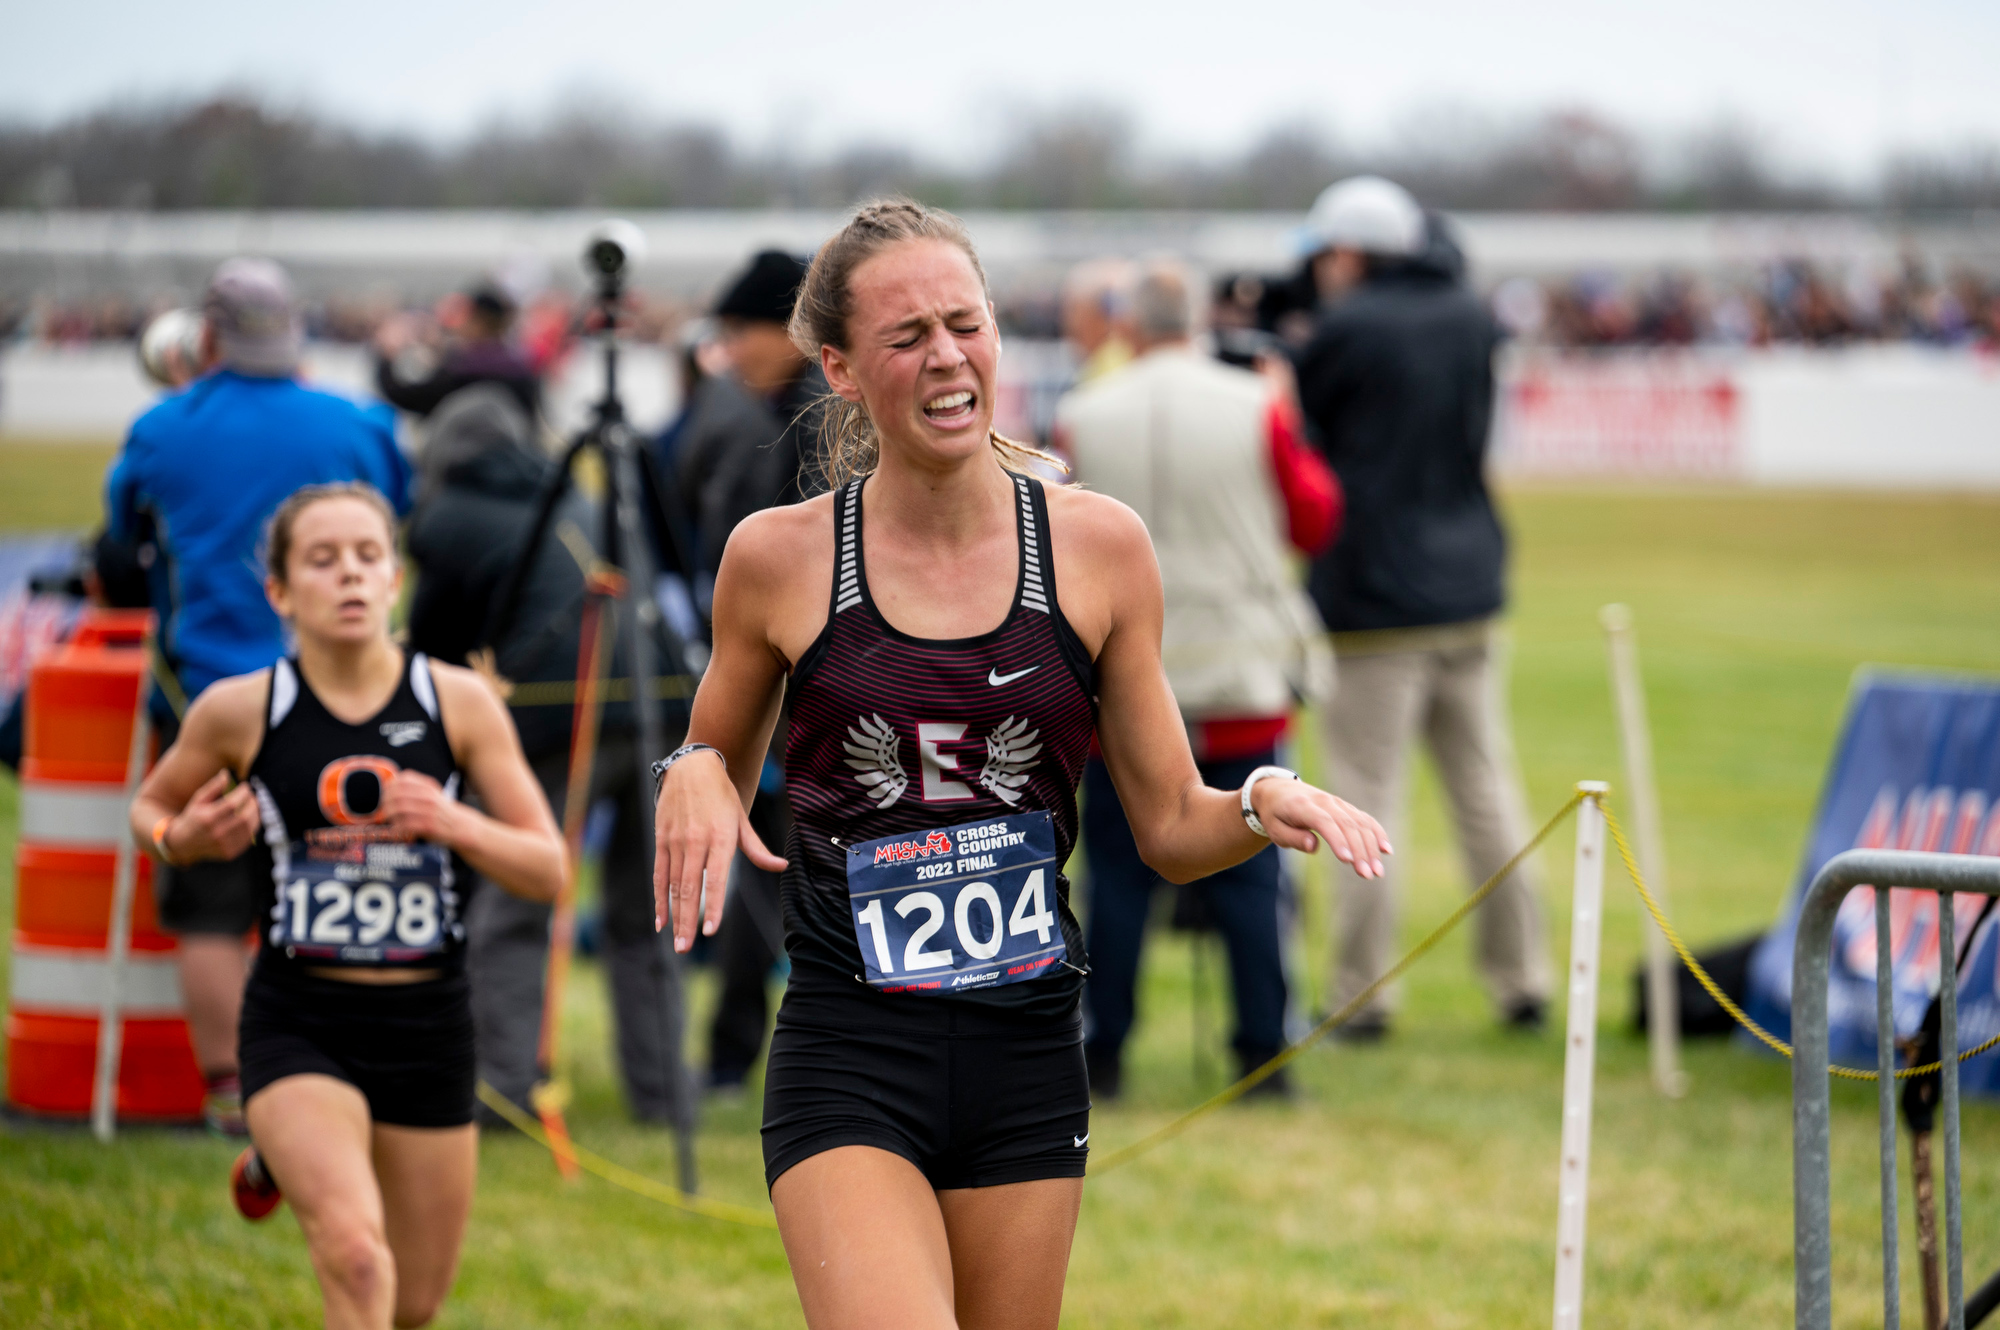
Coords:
pixel 355 1258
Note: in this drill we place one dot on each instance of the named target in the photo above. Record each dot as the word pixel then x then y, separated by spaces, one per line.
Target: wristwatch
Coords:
pixel 660 767
pixel 1250 817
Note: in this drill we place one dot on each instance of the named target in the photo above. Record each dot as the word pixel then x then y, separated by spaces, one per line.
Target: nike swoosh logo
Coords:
pixel 996 678
pixel 1081 1139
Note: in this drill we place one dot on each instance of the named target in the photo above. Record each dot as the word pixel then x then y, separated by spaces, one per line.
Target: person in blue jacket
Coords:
pixel 204 470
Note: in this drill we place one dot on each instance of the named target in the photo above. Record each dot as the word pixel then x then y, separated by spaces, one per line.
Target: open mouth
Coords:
pixel 952 408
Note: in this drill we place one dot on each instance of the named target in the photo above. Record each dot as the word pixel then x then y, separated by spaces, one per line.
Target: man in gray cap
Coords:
pixel 206 467
pixel 1397 385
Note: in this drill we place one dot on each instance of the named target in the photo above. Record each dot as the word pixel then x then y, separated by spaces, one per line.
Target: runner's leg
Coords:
pixel 312 1132
pixel 1010 1251
pixel 426 1177
pixel 866 1240
pixel 213 967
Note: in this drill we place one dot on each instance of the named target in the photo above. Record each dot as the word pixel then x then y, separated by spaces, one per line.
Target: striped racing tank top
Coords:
pixel 899 736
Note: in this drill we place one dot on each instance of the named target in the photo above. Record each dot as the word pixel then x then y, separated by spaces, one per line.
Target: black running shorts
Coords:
pixel 406 1047
pixel 974 1096
pixel 223 897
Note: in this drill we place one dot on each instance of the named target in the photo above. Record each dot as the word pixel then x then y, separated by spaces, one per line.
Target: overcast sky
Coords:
pixel 1832 80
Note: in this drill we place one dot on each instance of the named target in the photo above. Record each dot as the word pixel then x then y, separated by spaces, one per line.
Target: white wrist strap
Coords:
pixel 1250 817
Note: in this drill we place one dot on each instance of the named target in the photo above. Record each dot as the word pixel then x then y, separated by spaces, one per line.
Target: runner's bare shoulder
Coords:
pixel 1095 525
pixel 1105 567
pixel 779 550
pixel 228 718
pixel 469 707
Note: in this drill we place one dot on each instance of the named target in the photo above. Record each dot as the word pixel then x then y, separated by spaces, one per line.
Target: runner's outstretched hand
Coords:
pixel 698 825
pixel 1299 817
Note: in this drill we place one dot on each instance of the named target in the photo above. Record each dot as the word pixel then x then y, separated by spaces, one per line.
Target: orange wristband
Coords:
pixel 160 840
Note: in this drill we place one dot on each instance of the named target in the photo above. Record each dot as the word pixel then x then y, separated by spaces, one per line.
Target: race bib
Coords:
pixel 942 911
pixel 366 903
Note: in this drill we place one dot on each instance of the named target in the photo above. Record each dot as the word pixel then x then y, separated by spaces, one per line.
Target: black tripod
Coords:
pixel 636 511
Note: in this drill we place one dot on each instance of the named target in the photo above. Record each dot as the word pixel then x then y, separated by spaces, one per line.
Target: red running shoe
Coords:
pixel 253 1189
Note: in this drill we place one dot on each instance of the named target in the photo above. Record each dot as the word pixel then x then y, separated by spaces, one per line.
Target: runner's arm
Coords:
pixel 1184 829
pixel 191 784
pixel 703 815
pixel 514 841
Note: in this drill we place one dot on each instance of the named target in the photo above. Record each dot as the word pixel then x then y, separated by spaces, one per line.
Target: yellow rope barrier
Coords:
pixel 618 1175
pixel 1120 1157
pixel 1722 999
pixel 639 1184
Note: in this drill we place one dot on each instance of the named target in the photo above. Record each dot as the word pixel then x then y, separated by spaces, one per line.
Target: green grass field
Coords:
pixel 1412 1184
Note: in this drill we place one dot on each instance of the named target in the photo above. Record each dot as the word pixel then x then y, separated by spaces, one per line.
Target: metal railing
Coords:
pixel 1812 1167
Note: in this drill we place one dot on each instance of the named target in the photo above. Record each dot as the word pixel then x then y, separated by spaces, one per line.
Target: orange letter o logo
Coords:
pixel 333 780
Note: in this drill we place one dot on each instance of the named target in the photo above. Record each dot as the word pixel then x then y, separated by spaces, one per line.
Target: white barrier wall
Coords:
pixel 1889 416
pixel 1868 416
pixel 95 392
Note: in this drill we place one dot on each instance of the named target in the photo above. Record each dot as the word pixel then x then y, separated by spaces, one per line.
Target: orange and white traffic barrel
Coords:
pixel 81 702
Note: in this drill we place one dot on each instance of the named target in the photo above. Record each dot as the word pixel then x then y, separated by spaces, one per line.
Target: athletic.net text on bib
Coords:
pixel 954 908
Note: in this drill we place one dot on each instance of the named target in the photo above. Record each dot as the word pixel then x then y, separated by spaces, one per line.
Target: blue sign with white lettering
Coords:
pixel 944 910
pixel 1918 768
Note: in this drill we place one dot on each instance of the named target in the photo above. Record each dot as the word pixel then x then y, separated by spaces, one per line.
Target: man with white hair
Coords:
pixel 1213 458
pixel 1397 382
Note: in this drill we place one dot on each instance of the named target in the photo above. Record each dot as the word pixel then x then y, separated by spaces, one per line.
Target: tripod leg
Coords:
pixel 640 624
pixel 1927 1244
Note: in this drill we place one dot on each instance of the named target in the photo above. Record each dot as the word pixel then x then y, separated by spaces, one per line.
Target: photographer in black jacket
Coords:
pixel 1397 383
pixel 480 475
pixel 750 442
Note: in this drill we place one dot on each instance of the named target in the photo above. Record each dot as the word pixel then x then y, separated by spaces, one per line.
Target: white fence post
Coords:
pixel 1663 1016
pixel 1579 1058
pixel 124 886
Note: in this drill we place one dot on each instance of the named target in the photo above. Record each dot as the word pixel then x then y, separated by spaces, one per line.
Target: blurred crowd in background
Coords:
pixel 1793 302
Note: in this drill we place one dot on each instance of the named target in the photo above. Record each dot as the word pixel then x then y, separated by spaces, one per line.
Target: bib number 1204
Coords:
pixel 956 908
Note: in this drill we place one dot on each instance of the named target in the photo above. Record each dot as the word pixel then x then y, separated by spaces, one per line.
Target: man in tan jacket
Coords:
pixel 1212 458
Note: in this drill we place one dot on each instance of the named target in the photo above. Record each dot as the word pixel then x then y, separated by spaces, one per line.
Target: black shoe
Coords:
pixel 1526 1015
pixel 1107 1073
pixel 728 1082
pixel 1367 1028
pixel 1277 1086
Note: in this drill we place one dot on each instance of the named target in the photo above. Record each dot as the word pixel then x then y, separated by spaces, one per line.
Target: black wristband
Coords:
pixel 660 767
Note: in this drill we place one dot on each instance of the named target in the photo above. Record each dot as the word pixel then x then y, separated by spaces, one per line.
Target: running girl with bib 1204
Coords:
pixel 948 633
pixel 343 767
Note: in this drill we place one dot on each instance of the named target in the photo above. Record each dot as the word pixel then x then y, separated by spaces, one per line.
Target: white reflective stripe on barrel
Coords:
pixel 67 982
pixel 81 815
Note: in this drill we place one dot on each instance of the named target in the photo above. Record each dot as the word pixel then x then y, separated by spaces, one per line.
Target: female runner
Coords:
pixel 346 762
pixel 950 632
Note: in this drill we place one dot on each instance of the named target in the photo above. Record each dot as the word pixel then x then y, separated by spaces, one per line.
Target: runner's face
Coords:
pixel 341 575
pixel 922 351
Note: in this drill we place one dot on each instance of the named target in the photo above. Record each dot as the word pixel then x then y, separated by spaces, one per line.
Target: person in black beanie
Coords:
pixel 750 442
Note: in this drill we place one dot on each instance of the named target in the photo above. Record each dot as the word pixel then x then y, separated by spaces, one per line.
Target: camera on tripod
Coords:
pixel 613 249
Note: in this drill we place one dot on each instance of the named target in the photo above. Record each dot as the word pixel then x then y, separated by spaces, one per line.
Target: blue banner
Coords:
pixel 1918 768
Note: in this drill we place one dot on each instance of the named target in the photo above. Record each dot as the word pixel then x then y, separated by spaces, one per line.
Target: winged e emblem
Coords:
pixel 1010 751
pixel 871 751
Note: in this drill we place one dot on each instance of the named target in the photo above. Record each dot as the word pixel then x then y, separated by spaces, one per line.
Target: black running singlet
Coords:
pixel 892 734
pixel 344 893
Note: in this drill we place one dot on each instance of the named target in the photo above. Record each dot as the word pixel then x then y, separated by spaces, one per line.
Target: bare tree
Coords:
pixel 237 150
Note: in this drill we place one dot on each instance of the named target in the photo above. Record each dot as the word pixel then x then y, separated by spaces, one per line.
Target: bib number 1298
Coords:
pixel 372 903
pixel 959 907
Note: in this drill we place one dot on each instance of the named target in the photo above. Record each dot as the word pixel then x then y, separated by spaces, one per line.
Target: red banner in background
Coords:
pixel 1614 415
